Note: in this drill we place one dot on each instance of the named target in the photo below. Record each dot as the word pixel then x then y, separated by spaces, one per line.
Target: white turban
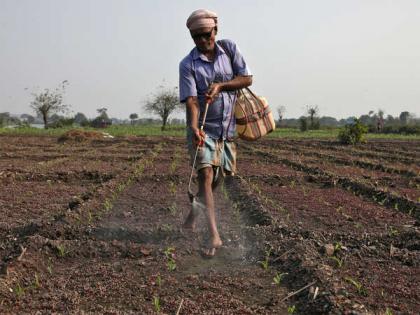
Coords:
pixel 201 18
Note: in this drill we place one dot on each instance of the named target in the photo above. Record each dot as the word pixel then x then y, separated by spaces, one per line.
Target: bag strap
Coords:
pixel 227 51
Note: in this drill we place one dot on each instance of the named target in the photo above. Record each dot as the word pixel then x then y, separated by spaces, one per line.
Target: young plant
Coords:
pixel 360 289
pixel 265 263
pixel 173 209
pixel 107 205
pixel 291 309
pixel 388 311
pixel 278 277
pixel 156 304
pixel 19 291
pixel 49 266
pixel 393 231
pixel 36 283
pixel 169 253
pixel 61 250
pixel 338 261
pixel 159 280
pixel 172 188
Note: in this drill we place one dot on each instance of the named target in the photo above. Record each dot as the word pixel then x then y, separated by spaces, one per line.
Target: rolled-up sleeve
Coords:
pixel 239 64
pixel 187 85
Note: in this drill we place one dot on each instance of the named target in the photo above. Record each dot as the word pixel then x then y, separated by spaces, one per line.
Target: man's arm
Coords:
pixel 236 83
pixel 193 111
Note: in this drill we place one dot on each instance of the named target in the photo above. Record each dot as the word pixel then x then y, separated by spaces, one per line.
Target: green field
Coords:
pixel 179 130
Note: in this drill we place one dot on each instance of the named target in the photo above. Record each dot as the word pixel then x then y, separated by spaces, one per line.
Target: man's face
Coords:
pixel 204 38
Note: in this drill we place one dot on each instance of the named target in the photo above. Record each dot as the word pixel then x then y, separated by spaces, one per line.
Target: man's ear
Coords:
pixel 215 30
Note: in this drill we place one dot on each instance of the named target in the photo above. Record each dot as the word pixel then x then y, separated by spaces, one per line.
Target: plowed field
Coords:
pixel 308 226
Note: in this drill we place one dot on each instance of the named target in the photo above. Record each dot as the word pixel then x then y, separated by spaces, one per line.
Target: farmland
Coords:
pixel 95 226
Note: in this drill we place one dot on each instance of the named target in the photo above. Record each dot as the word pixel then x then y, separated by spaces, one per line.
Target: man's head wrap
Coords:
pixel 201 18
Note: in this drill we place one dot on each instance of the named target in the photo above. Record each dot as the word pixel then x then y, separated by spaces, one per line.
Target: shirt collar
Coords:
pixel 198 55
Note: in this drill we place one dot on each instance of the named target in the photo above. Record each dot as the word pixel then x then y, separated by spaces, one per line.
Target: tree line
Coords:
pixel 53 112
pixel 378 122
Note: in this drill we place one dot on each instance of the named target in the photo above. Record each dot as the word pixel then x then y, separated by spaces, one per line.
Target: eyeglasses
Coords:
pixel 206 36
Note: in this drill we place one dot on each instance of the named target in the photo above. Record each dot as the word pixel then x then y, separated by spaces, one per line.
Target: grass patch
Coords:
pixel 180 131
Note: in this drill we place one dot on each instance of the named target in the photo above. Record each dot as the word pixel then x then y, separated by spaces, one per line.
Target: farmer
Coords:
pixel 211 72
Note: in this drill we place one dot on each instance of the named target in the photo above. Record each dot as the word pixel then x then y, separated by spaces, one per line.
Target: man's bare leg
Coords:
pixel 190 221
pixel 205 193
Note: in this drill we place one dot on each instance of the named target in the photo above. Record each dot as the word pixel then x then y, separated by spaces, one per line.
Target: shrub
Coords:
pixel 352 133
pixel 303 124
pixel 62 122
pixel 405 129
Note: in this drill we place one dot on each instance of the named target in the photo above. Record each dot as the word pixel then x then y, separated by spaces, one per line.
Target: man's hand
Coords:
pixel 199 136
pixel 213 91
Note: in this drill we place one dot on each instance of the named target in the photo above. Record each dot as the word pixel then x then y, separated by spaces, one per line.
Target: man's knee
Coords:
pixel 206 175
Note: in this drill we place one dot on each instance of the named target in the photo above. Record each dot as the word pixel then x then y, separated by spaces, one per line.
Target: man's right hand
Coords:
pixel 199 136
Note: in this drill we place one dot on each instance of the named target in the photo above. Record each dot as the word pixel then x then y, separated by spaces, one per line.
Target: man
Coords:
pixel 211 72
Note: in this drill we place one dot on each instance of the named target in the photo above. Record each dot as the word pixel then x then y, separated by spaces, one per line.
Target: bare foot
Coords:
pixel 214 244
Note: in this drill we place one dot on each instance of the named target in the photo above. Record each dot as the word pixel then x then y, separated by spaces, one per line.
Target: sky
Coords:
pixel 347 57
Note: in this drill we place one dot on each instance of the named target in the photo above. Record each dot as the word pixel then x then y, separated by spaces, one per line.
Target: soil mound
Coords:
pixel 78 135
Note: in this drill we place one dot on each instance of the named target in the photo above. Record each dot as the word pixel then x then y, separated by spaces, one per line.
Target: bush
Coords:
pixel 303 124
pixel 62 122
pixel 406 129
pixel 315 125
pixel 352 133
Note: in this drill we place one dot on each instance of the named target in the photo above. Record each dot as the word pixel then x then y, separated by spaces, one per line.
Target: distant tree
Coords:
pixel 380 120
pixel 328 121
pixel 50 102
pixel 404 118
pixel 80 119
pixel 102 120
pixel 163 103
pixel 27 118
pixel 133 117
pixel 312 111
pixel 303 123
pixel 4 118
pixel 281 111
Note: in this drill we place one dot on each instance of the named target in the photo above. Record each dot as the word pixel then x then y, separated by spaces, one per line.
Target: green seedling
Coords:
pixel 19 291
pixel 159 280
pixel 166 227
pixel 388 311
pixel 49 266
pixel 265 263
pixel 120 188
pixel 338 247
pixel 36 284
pixel 291 309
pixel 172 188
pixel 171 264
pixel 156 304
pixel 173 209
pixel 396 206
pixel 278 277
pixel 338 261
pixel 360 289
pixel 89 217
pixel 61 250
pixel 107 205
pixel 393 232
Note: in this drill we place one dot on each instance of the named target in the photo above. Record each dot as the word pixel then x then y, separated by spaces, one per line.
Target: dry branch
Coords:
pixel 300 290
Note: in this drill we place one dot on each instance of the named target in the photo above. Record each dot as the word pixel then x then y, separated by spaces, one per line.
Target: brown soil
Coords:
pixel 95 227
